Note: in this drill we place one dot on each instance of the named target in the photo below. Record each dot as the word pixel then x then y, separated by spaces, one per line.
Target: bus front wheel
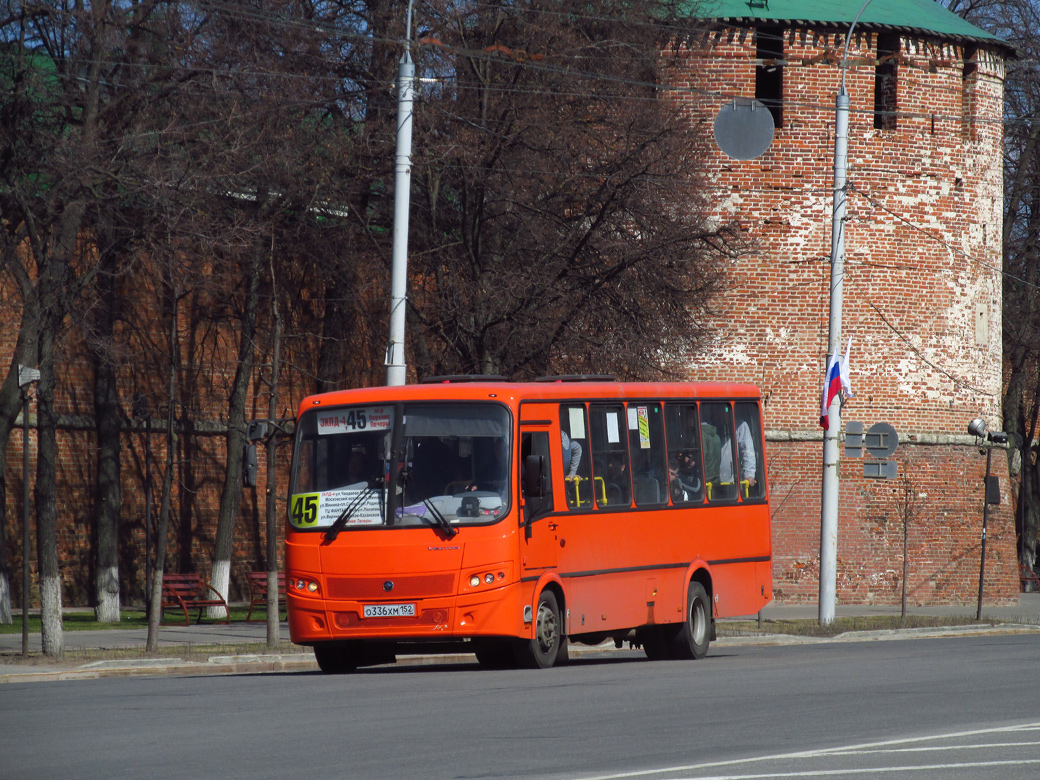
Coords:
pixel 694 635
pixel 334 659
pixel 541 650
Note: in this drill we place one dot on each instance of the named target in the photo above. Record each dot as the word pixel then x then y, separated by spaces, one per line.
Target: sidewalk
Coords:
pixel 1025 616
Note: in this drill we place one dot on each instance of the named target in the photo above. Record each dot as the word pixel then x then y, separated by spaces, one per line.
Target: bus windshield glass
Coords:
pixel 404 465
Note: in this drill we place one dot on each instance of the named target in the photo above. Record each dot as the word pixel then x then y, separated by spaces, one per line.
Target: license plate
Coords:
pixel 389 610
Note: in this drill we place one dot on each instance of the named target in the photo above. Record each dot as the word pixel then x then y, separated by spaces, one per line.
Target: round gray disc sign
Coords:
pixel 744 128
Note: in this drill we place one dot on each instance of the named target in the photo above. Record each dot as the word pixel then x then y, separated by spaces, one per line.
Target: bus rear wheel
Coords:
pixel 656 642
pixel 541 650
pixel 694 634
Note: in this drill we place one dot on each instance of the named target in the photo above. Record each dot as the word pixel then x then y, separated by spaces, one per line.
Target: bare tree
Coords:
pixel 173 344
pixel 1018 23
pixel 909 508
pixel 559 222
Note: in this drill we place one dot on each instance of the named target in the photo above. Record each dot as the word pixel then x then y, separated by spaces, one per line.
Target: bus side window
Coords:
pixel 750 463
pixel 537 443
pixel 649 456
pixel 685 472
pixel 576 455
pixel 612 481
pixel 719 469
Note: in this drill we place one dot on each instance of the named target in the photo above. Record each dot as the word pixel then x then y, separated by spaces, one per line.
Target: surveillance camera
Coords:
pixel 998 437
pixel 977 427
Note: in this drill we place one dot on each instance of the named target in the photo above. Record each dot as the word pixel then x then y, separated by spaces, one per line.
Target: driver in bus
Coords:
pixel 357 469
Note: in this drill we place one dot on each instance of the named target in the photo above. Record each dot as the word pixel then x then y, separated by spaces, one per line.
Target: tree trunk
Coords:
pixel 271 503
pixel 1022 431
pixel 47 501
pixel 155 594
pixel 108 422
pixel 25 352
pixel 231 494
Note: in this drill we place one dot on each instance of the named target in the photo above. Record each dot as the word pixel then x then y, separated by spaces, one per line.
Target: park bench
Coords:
pixel 1027 576
pixel 258 592
pixel 190 591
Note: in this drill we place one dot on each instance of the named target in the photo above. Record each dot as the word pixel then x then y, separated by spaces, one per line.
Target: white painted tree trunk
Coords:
pixel 50 617
pixel 220 578
pixel 5 600
pixel 108 595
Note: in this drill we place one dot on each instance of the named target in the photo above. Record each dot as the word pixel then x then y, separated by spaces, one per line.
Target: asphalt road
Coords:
pixel 928 708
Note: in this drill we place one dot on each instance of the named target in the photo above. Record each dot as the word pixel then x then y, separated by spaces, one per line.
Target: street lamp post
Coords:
pixel 829 492
pixel 395 353
pixel 977 428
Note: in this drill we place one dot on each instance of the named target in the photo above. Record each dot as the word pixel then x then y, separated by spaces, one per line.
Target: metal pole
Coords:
pixel 829 493
pixel 829 497
pixel 25 523
pixel 147 512
pixel 985 517
pixel 395 356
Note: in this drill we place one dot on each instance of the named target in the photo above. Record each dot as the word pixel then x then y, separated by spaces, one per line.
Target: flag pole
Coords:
pixel 829 495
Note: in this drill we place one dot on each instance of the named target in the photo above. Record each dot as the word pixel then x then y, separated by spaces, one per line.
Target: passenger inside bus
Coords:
pixel 490 464
pixel 359 470
pixel 747 459
pixel 571 454
pixel 684 477
pixel 617 490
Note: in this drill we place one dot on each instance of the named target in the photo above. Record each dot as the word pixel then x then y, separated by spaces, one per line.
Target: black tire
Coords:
pixel 655 642
pixel 694 635
pixel 542 650
pixel 334 659
pixel 496 654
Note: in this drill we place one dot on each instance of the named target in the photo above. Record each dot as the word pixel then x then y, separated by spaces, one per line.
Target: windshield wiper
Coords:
pixel 448 528
pixel 344 517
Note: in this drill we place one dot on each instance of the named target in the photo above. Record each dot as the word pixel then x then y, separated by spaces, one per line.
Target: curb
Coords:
pixel 304 662
pixel 162 667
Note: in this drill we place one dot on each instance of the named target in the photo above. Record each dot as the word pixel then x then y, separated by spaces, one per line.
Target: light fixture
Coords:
pixel 991 484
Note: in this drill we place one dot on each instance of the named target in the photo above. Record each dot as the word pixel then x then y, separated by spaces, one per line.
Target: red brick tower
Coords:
pixel 922 282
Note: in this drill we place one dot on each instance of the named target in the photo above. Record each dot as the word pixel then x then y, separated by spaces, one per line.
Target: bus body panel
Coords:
pixel 393 566
pixel 612 570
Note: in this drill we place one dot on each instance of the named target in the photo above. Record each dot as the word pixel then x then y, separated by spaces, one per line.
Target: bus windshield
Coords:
pixel 402 465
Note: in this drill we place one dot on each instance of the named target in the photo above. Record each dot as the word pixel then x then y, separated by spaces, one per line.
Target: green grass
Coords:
pixel 129 618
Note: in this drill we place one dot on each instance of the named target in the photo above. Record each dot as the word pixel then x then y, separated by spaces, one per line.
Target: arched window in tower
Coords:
pixel 969 81
pixel 769 71
pixel 886 81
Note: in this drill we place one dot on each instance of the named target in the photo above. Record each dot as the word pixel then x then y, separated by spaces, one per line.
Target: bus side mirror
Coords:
pixel 536 476
pixel 249 465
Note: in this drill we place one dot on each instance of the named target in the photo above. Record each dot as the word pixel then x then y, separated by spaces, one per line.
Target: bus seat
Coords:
pixel 647 490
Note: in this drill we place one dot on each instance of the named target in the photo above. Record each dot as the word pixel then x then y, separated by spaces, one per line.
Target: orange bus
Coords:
pixel 505 519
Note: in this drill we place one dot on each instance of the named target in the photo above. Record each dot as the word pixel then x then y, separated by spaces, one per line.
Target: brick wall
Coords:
pixel 922 300
pixel 922 304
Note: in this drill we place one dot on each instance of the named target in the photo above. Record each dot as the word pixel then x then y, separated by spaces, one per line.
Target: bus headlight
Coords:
pixel 304 585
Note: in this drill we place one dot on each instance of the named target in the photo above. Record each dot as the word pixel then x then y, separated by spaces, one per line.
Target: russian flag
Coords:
pixel 838 379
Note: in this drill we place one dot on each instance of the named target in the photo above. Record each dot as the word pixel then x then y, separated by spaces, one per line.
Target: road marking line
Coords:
pixel 866 770
pixel 937 748
pixel 816 753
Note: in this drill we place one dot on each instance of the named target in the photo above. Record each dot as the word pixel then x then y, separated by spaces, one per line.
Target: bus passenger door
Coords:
pixel 539 537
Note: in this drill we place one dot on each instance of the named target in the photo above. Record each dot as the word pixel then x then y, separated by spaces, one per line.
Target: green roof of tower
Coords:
pixel 911 15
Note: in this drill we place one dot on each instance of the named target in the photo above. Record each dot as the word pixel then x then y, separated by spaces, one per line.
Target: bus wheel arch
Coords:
pixel 695 633
pixel 548 640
